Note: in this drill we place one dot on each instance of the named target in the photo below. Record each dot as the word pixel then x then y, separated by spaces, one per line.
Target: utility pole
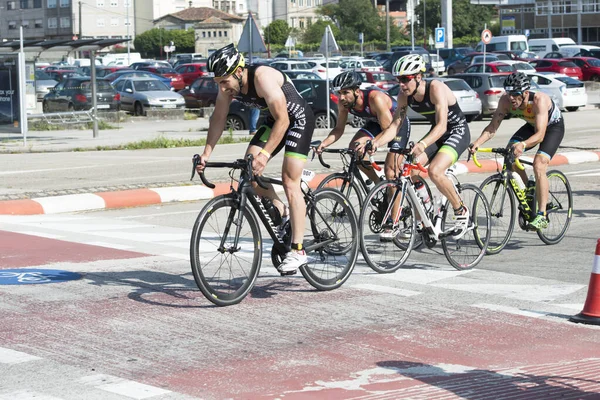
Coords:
pixel 387 25
pixel 424 24
pixel 80 25
pixel 128 38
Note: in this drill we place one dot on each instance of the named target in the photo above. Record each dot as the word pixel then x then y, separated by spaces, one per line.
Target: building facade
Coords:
pixel 147 11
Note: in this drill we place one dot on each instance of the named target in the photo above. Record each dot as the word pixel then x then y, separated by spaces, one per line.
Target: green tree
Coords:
pixel 277 32
pixel 150 43
pixel 314 33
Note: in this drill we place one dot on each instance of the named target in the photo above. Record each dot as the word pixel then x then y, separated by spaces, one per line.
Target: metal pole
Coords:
pixel 94 108
pixel 327 72
pixel 412 23
pixel 128 41
pixel 387 25
pixel 424 24
pixel 22 89
pixel 250 36
pixel 484 48
pixel 80 26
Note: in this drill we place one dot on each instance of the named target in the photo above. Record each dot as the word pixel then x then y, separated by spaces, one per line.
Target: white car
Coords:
pixel 569 93
pixel 288 65
pixel 319 68
pixel 519 65
pixel 362 65
pixel 437 63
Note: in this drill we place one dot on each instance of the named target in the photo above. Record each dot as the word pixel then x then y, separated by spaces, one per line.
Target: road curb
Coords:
pixel 145 197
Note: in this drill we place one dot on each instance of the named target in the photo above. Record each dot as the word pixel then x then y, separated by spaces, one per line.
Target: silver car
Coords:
pixel 43 84
pixel 141 94
pixel 489 86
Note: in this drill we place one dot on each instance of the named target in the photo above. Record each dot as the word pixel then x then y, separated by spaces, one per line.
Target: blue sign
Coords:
pixel 440 37
pixel 527 32
pixel 27 276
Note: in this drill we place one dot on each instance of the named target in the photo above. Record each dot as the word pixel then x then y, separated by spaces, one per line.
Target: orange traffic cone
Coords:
pixel 591 309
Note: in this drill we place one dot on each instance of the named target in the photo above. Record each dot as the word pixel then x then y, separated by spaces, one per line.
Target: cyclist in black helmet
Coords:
pixel 544 125
pixel 289 124
pixel 377 108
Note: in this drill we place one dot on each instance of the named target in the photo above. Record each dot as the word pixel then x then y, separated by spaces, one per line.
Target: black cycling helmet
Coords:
pixel 225 61
pixel 517 82
pixel 346 80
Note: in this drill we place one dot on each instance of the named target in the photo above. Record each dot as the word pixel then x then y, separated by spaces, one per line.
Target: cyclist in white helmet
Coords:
pixel 448 137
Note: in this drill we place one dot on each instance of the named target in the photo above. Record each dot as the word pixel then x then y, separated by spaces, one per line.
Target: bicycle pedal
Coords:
pixel 294 272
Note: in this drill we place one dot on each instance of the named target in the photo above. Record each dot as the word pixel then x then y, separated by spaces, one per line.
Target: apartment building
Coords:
pixel 298 13
pixel 147 11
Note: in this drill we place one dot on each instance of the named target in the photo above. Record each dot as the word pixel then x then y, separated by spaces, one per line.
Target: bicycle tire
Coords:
pixel 385 256
pixel 559 195
pixel 341 183
pixel 330 215
pixel 503 211
pixel 466 252
pixel 220 284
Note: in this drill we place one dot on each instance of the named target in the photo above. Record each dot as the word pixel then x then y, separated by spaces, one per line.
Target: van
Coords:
pixel 580 51
pixel 544 46
pixel 503 43
pixel 121 58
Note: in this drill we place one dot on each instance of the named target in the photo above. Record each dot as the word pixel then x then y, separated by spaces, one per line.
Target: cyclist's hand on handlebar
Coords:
pixel 417 150
pixel 518 149
pixel 259 163
pixel 473 148
pixel 319 149
pixel 359 145
pixel 201 164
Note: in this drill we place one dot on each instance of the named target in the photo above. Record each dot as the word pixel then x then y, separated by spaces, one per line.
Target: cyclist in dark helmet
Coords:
pixel 544 125
pixel 448 137
pixel 289 125
pixel 377 108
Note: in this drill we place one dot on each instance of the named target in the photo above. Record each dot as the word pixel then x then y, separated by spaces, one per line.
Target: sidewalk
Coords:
pixel 139 129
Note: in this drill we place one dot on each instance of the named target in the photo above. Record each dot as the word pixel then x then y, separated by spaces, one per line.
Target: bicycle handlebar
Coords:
pixel 498 150
pixel 238 164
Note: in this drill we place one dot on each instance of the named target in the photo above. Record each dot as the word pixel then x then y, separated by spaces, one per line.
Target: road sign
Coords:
pixel 440 38
pixel 169 49
pixel 361 38
pixel 486 36
pixel 527 32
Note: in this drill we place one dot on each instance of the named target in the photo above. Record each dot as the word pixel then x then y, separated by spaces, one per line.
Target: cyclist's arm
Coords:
pixel 439 98
pixel 541 105
pixel 217 122
pixel 339 128
pixel 270 90
pixel 499 115
pixel 389 133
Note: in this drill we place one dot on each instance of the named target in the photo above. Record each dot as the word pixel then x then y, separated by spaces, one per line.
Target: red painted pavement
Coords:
pixel 18 250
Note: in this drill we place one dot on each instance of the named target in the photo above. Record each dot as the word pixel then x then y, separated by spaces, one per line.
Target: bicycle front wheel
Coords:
pixel 467 251
pixel 503 209
pixel 349 189
pixel 559 208
pixel 225 271
pixel 384 254
pixel 330 240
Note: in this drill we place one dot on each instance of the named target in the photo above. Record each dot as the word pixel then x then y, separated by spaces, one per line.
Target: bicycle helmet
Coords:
pixel 517 82
pixel 225 61
pixel 410 64
pixel 346 80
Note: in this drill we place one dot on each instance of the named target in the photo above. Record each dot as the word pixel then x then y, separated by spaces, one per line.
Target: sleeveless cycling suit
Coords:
pixel 372 127
pixel 302 120
pixel 555 130
pixel 457 137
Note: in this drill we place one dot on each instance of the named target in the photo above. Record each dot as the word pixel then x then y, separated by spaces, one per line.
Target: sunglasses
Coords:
pixel 406 78
pixel 514 93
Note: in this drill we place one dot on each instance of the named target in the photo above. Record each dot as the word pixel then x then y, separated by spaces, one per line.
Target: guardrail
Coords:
pixel 67 117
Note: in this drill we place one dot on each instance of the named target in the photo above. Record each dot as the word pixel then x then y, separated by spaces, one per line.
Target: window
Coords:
pixel 301 23
pixel 11 5
pixel 114 3
pixel 51 3
pixel 203 34
pixel 37 3
pixel 208 33
pixel 65 22
pixel 12 25
pixel 225 33
pixel 100 22
pixel 39 23
pixel 25 24
pixel 126 22
pixel 24 4
pixel 220 33
pixel 99 3
pixel 52 23
pixel 541 9
pixel 114 22
pixel 301 3
pixel 65 3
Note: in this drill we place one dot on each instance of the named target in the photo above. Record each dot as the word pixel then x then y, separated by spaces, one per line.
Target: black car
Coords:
pixel 201 93
pixel 75 94
pixel 402 51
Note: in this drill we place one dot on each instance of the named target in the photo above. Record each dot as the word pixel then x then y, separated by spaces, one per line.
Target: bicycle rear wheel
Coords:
pixel 225 275
pixel 329 240
pixel 503 209
pixel 467 251
pixel 558 209
pixel 383 255
pixel 351 190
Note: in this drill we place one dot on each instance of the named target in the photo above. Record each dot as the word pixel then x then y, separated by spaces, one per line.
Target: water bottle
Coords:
pixel 531 182
pixel 530 195
pixel 519 180
pixel 272 211
pixel 370 185
pixel 424 195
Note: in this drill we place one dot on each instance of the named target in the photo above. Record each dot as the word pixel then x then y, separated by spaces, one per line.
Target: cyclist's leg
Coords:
pixel 297 146
pixel 548 147
pixel 368 132
pixel 257 143
pixel 524 133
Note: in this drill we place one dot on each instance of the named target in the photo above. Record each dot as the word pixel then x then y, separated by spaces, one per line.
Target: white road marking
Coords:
pixel 28 395
pixel 123 387
pixel 8 356
pixel 538 293
pixel 109 245
pixel 421 276
pixel 385 289
pixel 511 310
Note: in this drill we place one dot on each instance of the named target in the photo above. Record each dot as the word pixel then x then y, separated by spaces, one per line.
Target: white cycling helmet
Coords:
pixel 410 64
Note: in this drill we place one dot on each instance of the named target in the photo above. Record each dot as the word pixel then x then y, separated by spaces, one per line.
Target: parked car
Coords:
pixel 496 66
pixel 590 67
pixel 136 74
pixel 319 67
pixel 554 54
pixel 101 71
pixel 383 80
pixel 150 63
pixel 520 65
pixel 568 93
pixel 201 93
pixel 191 72
pixel 437 63
pixel 304 75
pixel 362 65
pixel 488 85
pixel 465 62
pixel 60 75
pixel 314 92
pixel 401 51
pixel 75 93
pixel 468 99
pixel 289 65
pixel 558 66
pixel 167 72
pixel 141 94
pixel 454 54
pixel 43 84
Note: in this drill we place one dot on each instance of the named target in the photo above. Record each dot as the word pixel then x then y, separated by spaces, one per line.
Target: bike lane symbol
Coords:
pixel 35 276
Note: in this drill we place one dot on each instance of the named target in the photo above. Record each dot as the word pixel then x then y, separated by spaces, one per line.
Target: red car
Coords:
pixel 177 82
pixel 496 66
pixel 191 72
pixel 558 66
pixel 383 80
pixel 590 67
